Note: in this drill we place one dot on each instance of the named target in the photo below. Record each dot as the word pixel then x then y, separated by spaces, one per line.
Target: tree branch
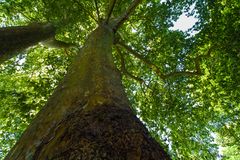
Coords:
pixel 179 74
pixel 112 4
pixel 85 10
pixel 197 67
pixel 143 59
pixel 197 71
pixel 97 10
pixel 124 16
pixel 158 71
pixel 124 70
pixel 17 38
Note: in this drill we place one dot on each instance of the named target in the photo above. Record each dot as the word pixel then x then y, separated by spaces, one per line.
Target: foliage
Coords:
pixel 185 113
pixel 25 84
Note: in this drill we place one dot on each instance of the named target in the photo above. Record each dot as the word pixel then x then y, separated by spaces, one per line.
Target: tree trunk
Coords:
pixel 15 39
pixel 88 116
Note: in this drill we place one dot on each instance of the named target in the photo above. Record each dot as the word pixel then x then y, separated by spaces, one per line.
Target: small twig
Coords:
pixel 124 70
pixel 112 4
pixel 124 16
pixel 97 10
pixel 85 10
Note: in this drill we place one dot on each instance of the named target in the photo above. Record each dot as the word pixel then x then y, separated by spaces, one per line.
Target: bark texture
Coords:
pixel 88 117
pixel 105 133
pixel 15 39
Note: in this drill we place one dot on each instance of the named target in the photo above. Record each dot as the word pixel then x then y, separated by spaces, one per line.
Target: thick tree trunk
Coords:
pixel 88 116
pixel 15 39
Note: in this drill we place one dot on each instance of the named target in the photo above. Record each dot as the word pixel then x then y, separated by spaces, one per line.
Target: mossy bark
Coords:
pixel 88 116
pixel 17 38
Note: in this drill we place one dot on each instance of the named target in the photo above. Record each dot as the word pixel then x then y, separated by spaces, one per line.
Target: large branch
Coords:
pixel 142 58
pixel 124 16
pixel 124 70
pixel 156 69
pixel 97 10
pixel 111 6
pixel 18 38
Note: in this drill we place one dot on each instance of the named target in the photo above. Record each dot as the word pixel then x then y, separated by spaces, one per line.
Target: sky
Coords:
pixel 184 23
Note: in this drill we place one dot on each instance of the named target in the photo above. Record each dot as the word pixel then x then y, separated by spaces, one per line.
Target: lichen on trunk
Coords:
pixel 88 116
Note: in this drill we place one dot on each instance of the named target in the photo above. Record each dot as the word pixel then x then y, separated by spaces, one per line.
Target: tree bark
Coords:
pixel 88 116
pixel 17 38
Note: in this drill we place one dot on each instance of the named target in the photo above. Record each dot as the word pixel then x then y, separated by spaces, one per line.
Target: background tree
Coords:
pixel 14 39
pixel 185 88
pixel 17 38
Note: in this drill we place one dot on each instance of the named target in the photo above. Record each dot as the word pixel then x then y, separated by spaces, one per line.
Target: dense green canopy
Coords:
pixel 185 87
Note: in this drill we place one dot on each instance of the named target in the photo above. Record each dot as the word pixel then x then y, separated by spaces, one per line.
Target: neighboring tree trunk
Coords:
pixel 88 117
pixel 18 38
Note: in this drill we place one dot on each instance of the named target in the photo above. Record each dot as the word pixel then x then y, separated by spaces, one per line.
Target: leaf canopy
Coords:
pixel 185 87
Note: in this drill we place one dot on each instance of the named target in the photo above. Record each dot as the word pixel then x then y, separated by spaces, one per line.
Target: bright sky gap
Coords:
pixel 184 22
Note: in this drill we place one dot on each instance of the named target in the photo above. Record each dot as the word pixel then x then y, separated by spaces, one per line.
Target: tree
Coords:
pixel 15 39
pixel 184 87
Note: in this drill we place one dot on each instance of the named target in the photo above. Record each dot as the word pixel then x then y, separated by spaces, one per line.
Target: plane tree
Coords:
pixel 184 87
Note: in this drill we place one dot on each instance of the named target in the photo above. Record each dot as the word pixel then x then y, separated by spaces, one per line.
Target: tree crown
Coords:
pixel 184 86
